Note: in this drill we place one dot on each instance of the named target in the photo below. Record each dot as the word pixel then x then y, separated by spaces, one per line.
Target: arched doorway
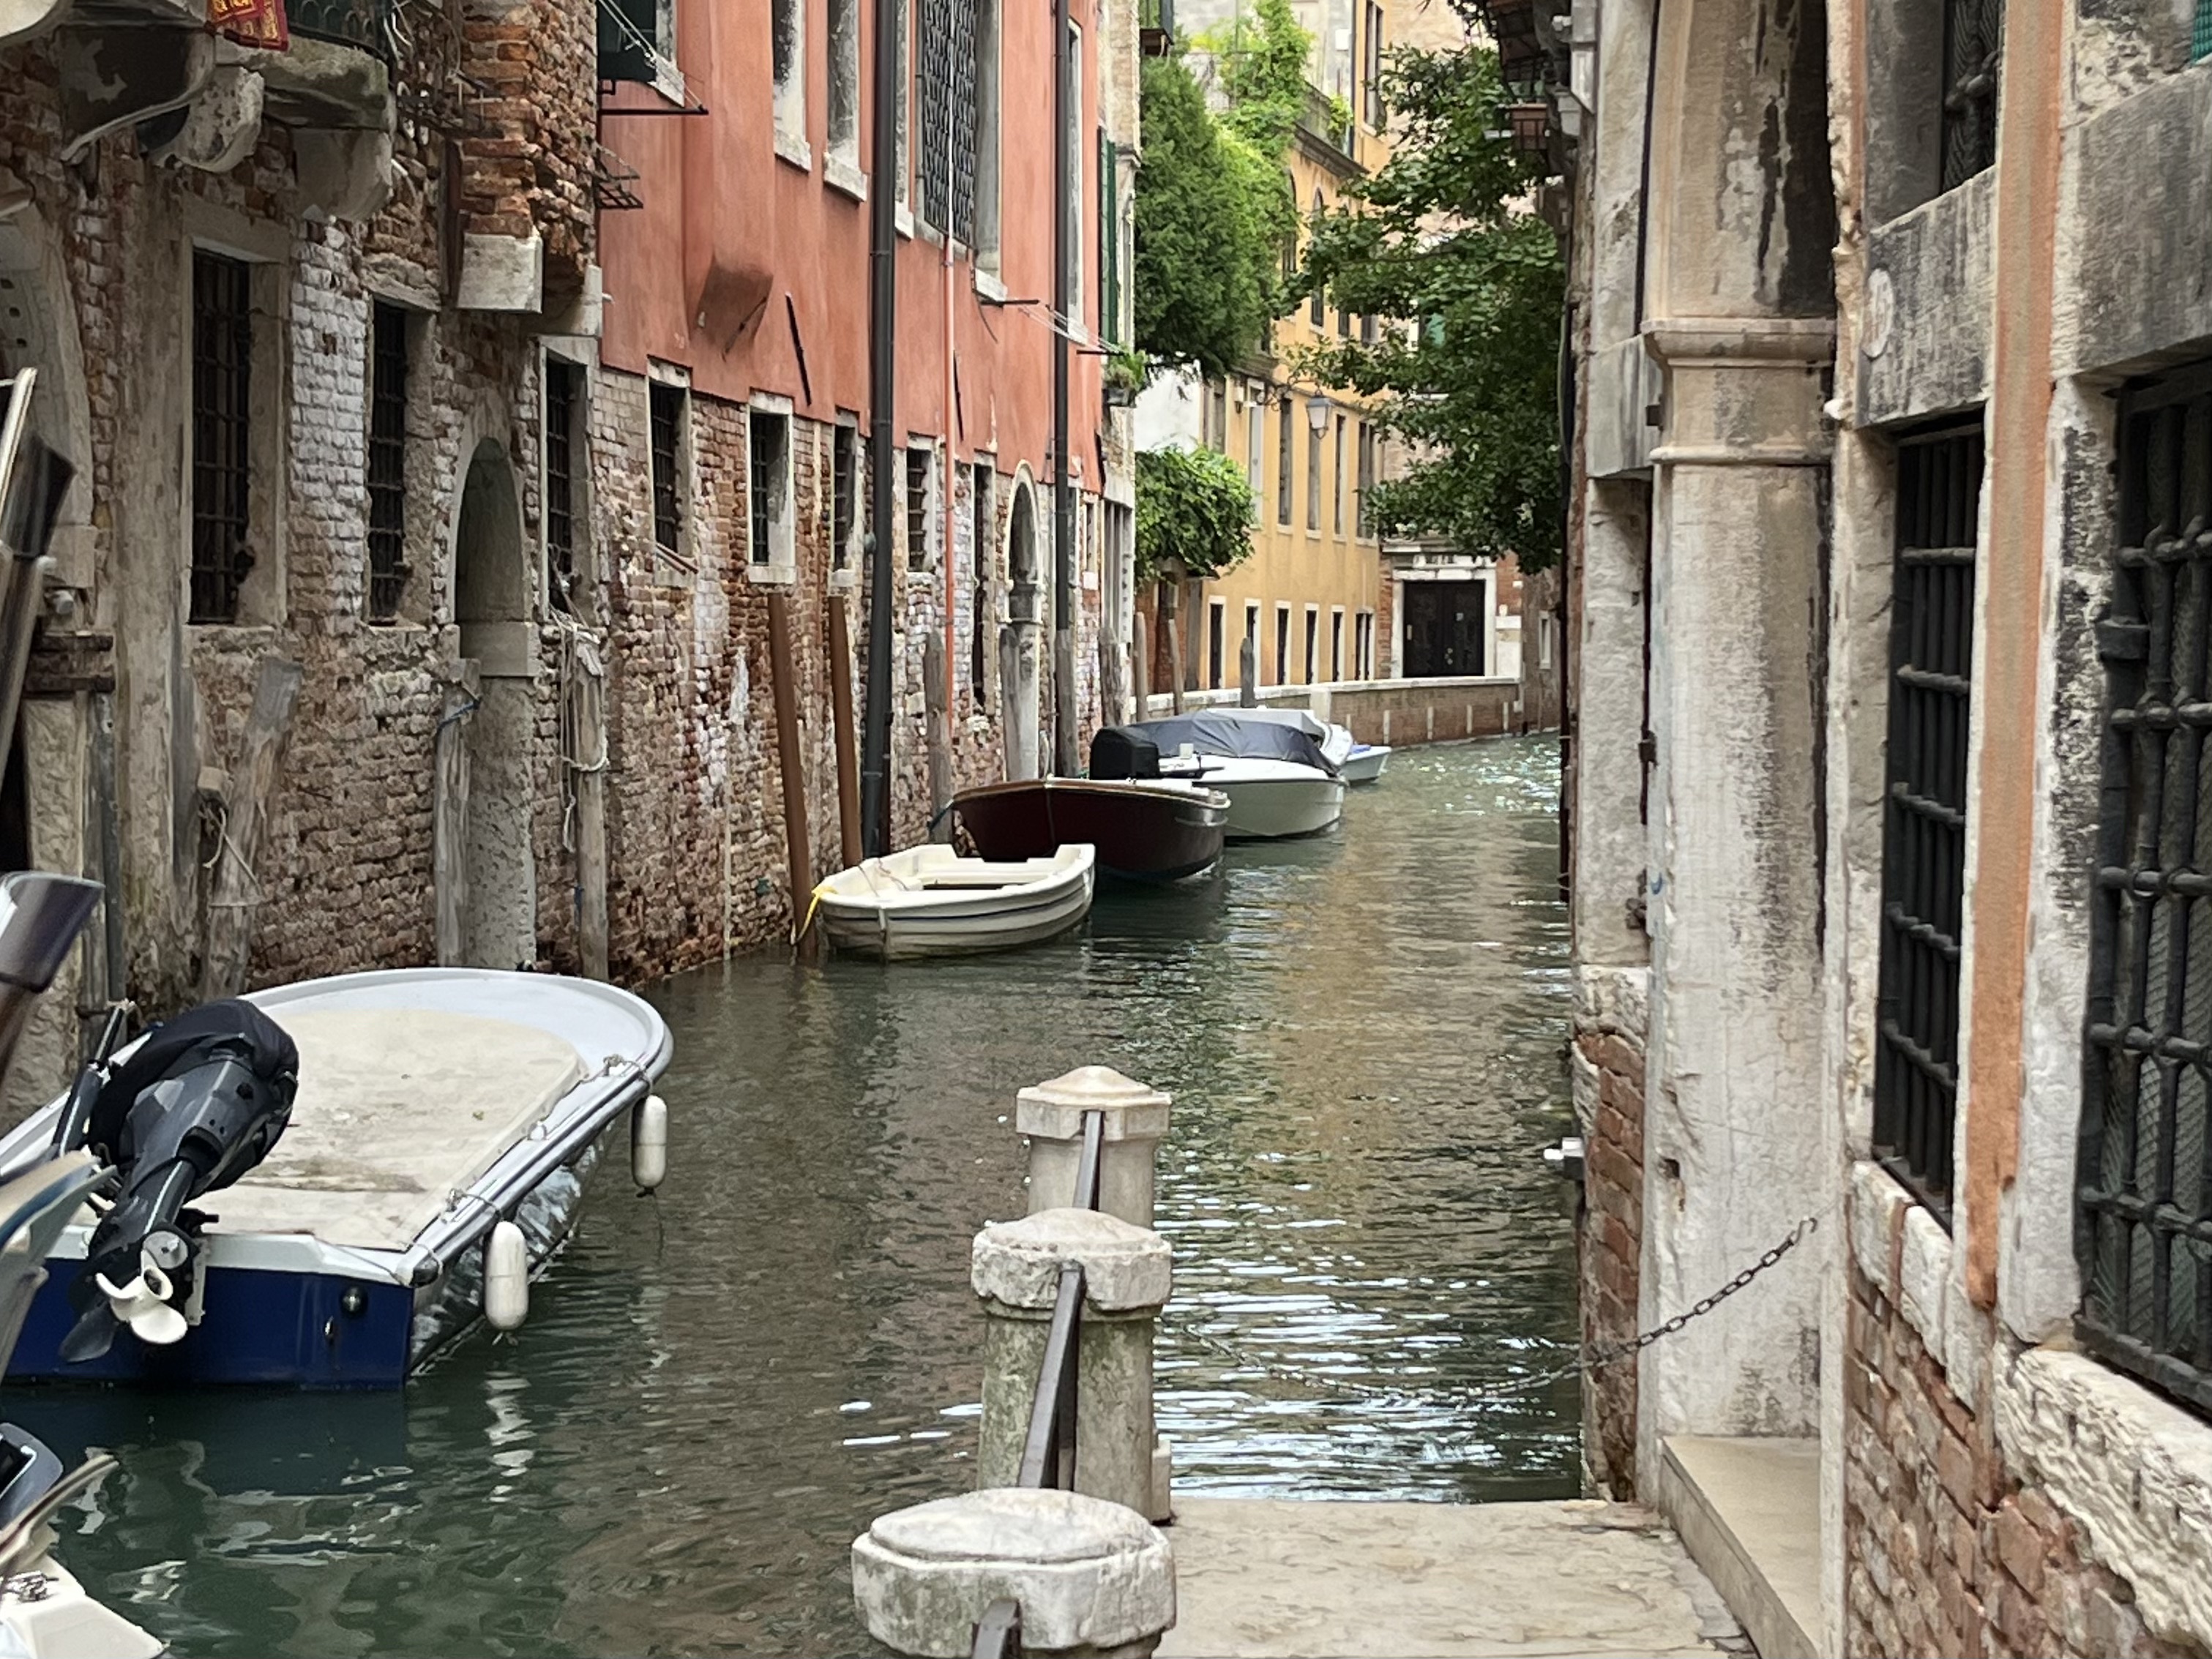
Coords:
pixel 1021 554
pixel 1018 648
pixel 486 877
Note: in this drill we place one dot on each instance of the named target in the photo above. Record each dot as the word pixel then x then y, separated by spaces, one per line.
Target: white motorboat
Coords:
pixel 1278 782
pixel 45 1612
pixel 399 1153
pixel 1355 761
pixel 1364 762
pixel 930 901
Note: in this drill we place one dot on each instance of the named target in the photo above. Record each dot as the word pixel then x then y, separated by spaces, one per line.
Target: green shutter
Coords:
pixel 1109 245
pixel 2202 46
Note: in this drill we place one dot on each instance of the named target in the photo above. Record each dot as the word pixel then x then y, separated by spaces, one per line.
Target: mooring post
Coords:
pixel 1016 1270
pixel 1050 1115
pixel 1247 674
pixel 1087 1577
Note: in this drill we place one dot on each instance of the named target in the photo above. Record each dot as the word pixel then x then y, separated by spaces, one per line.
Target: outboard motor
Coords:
pixel 1122 752
pixel 201 1102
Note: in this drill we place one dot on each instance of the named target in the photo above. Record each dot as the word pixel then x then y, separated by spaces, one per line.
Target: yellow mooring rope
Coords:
pixel 813 903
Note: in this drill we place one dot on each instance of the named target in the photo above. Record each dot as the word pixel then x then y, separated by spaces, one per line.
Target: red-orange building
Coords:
pixel 732 408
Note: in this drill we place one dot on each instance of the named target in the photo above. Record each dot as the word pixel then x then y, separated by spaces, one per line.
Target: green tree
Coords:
pixel 1208 235
pixel 1263 74
pixel 1444 242
pixel 1194 512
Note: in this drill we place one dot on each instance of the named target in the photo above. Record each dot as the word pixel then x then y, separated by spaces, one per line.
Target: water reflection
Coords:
pixel 718 1386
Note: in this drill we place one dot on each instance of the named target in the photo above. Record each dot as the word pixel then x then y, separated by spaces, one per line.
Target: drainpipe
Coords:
pixel 1064 175
pixel 882 301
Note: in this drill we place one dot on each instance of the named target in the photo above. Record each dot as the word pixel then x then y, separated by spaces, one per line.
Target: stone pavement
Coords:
pixel 1273 1579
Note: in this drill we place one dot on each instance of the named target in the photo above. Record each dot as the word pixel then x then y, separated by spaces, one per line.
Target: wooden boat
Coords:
pixel 1156 830
pixel 930 901
pixel 429 1164
pixel 1278 781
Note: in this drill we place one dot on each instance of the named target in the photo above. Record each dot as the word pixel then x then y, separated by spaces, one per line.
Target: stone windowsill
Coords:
pixel 846 581
pixel 2133 1470
pixel 903 220
pixel 775 574
pixel 791 146
pixel 988 285
pixel 1888 1226
pixel 844 175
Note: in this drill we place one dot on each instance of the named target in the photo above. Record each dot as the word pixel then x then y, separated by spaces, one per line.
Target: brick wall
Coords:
pixel 1401 712
pixel 1946 1554
pixel 696 824
pixel 344 877
pixel 1608 1072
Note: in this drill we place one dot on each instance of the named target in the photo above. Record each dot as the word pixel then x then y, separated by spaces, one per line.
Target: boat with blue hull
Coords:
pixel 444 1124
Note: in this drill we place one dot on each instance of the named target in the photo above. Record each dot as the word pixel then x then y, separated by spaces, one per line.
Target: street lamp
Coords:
pixel 1317 414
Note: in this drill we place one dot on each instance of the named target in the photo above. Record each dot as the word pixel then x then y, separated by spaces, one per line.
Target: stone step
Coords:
pixel 1260 1578
pixel 1749 1511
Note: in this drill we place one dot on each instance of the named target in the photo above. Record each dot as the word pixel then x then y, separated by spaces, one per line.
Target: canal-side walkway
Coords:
pixel 1289 1579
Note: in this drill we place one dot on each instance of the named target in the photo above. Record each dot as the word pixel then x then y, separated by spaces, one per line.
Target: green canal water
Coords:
pixel 719 1387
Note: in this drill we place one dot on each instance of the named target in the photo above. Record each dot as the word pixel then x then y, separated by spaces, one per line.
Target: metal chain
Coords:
pixel 1596 1357
pixel 1613 1351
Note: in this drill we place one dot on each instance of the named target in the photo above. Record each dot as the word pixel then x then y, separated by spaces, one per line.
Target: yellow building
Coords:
pixel 1308 595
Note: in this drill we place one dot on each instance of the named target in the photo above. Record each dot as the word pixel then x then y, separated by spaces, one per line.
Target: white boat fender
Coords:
pixel 143 1304
pixel 648 1143
pixel 506 1278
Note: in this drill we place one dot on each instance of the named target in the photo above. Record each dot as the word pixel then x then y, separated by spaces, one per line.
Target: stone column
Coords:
pixel 1051 1116
pixel 1734 1020
pixel 1089 1578
pixel 1127 1271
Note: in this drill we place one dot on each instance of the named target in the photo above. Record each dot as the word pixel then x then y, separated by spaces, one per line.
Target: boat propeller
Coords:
pixel 200 1101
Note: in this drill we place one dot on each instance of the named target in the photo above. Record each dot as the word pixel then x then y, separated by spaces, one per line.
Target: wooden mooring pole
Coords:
pixel 841 720
pixel 797 845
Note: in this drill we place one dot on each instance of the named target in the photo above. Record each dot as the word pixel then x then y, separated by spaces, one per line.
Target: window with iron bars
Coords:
pixel 844 493
pixel 387 460
pixel 2143 1214
pixel 1973 53
pixel 983 521
pixel 222 386
pixel 917 509
pixel 768 489
pixel 946 166
pixel 667 420
pixel 560 401
pixel 1916 1079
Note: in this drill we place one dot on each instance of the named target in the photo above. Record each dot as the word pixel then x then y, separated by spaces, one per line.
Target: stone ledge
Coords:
pixel 2133 1471
pixel 1748 1512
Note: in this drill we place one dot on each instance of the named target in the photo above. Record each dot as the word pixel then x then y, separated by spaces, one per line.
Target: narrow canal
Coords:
pixel 719 1386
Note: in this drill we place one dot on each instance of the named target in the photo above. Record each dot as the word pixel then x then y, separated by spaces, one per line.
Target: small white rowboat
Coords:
pixel 930 901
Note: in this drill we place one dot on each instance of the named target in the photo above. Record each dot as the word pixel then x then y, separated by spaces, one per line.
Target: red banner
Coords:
pixel 251 22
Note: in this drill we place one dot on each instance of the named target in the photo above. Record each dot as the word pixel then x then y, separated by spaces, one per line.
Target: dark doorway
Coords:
pixel 1444 627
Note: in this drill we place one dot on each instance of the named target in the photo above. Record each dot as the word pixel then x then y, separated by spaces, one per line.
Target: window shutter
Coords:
pixel 1110 251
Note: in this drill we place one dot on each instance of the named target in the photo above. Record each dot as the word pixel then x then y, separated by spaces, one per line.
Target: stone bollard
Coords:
pixel 1127 1271
pixel 1051 1115
pixel 1092 1579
